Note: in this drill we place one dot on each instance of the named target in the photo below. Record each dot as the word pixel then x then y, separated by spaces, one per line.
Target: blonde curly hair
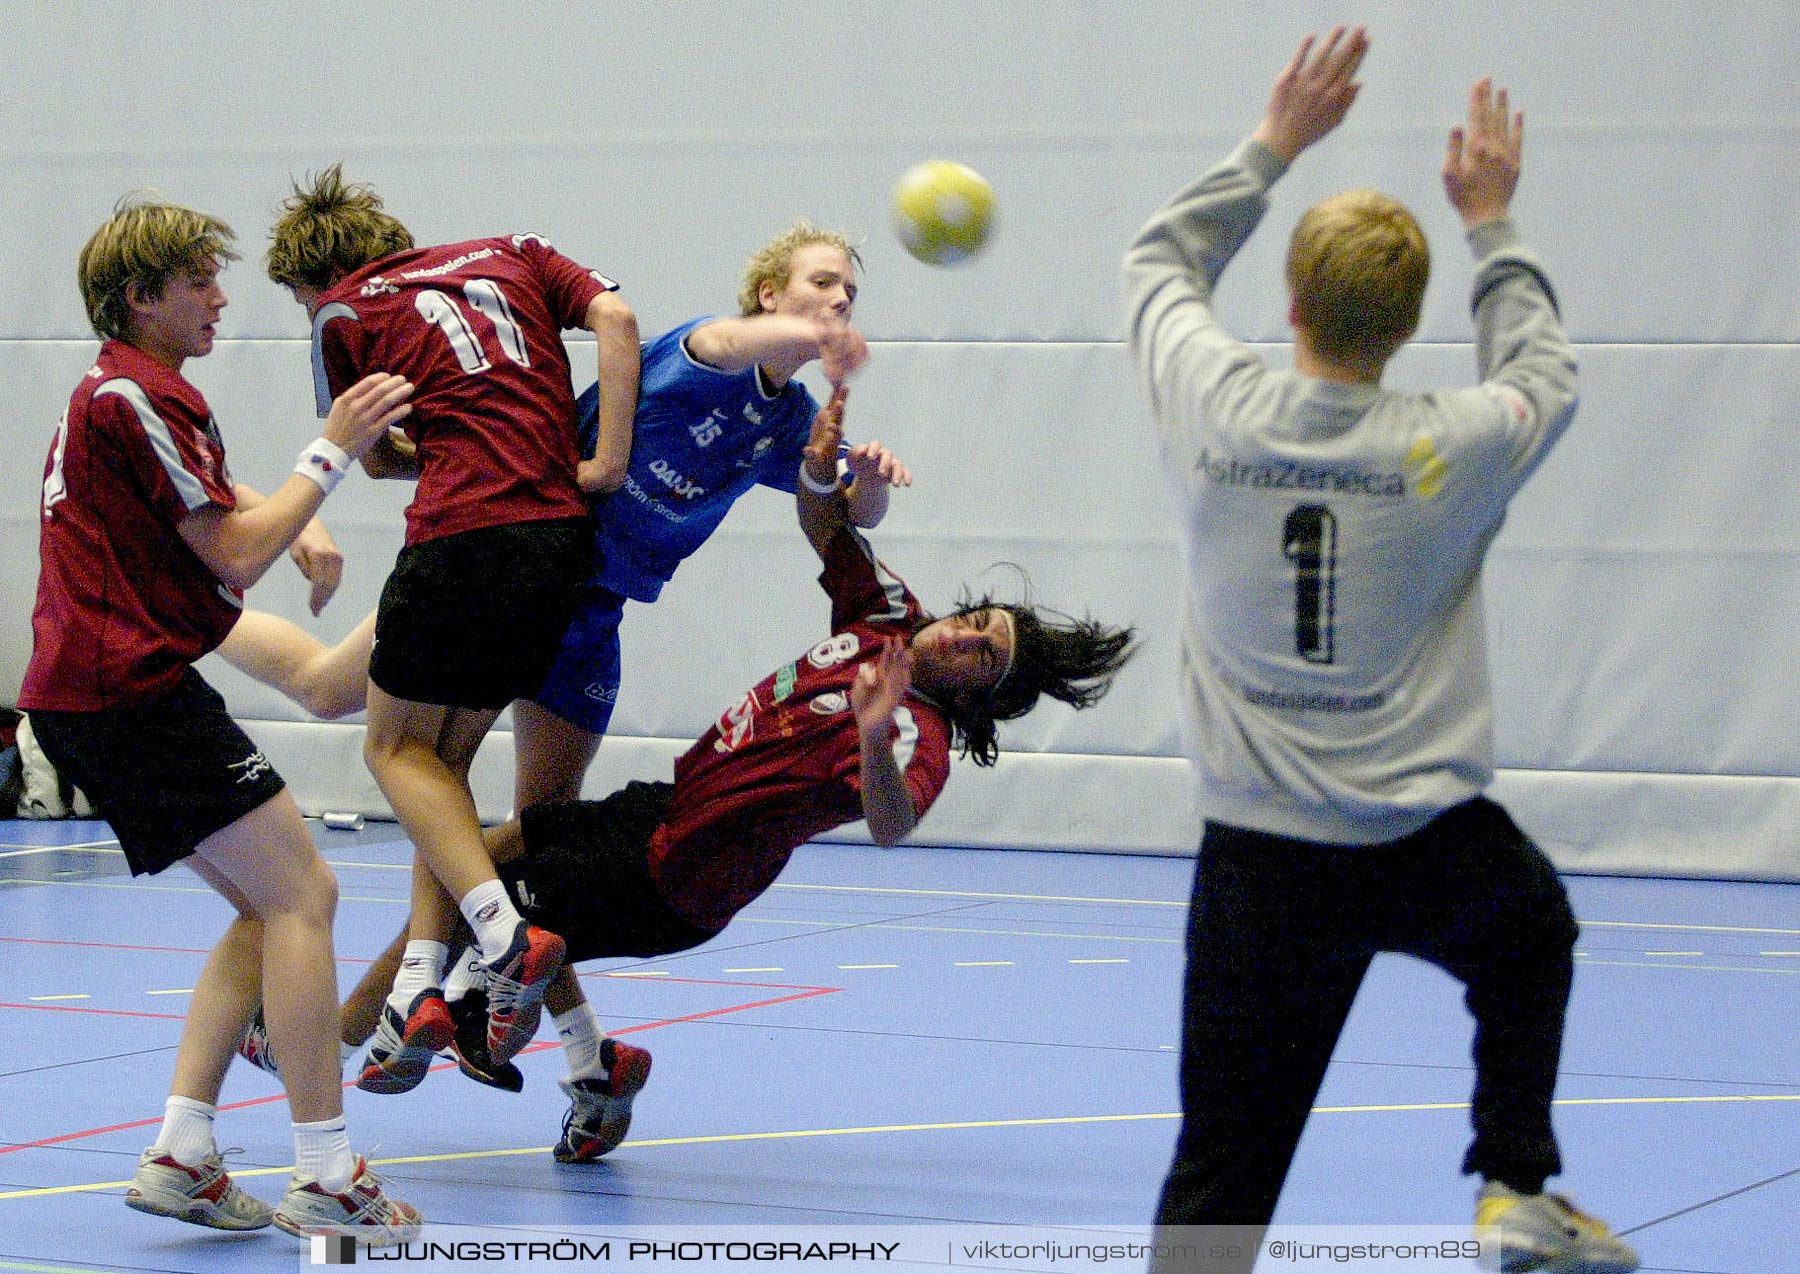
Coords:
pixel 773 262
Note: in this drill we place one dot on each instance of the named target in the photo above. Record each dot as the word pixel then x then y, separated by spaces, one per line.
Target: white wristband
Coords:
pixel 324 462
pixel 813 485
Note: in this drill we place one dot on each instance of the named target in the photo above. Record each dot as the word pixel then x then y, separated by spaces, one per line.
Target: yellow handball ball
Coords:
pixel 943 211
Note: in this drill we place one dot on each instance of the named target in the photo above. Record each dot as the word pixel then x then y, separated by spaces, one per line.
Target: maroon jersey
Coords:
pixel 477 328
pixel 123 604
pixel 783 764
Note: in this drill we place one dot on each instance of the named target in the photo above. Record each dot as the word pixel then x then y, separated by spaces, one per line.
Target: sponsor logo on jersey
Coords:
pixel 754 417
pixel 756 453
pixel 600 692
pixel 738 724
pixel 450 266
pixel 784 681
pixel 679 487
pixel 1426 468
pixel 830 702
pixel 378 286
pixel 1291 475
pixel 643 497
pixel 251 767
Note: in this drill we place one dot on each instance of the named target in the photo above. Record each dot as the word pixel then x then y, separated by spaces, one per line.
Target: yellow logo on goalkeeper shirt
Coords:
pixel 1425 468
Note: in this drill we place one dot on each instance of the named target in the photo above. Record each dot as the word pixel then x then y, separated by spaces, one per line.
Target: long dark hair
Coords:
pixel 1073 660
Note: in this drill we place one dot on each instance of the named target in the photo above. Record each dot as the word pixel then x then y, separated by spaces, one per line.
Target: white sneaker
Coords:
pixel 1531 1232
pixel 200 1195
pixel 361 1210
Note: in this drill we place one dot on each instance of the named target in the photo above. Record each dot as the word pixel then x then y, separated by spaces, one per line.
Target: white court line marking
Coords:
pixel 1691 968
pixel 1778 953
pixel 868 966
pixel 646 973
pixel 181 991
pixel 767 969
pixel 1674 953
pixel 981 964
pixel 86 847
pixel 40 999
pixel 1112 960
pixel 1643 924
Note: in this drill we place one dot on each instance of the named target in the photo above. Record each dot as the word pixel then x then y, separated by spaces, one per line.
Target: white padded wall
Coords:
pixel 1643 598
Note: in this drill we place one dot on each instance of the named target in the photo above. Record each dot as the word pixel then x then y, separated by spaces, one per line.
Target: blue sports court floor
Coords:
pixel 906 1037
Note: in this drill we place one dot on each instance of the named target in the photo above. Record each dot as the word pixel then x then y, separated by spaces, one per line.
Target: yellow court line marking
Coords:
pixel 53 1269
pixel 956 1126
pixel 40 999
pixel 178 991
pixel 1778 953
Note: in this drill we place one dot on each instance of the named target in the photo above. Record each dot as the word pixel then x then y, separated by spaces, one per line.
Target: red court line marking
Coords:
pixel 63 1008
pixel 126 946
pixel 803 993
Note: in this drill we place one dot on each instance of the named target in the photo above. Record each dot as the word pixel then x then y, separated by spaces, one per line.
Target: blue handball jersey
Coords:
pixel 702 437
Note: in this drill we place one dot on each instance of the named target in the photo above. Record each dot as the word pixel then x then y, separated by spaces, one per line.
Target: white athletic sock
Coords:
pixel 581 1036
pixel 421 968
pixel 346 1052
pixel 322 1152
pixel 187 1131
pixel 492 916
pixel 465 974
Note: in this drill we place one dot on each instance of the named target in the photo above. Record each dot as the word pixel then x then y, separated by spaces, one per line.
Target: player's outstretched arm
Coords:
pixel 741 342
pixel 1313 93
pixel 1481 168
pixel 819 499
pixel 879 687
pixel 239 545
pixel 874 471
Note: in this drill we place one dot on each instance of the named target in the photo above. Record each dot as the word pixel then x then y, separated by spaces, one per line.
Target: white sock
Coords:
pixel 465 974
pixel 322 1152
pixel 187 1131
pixel 492 916
pixel 581 1036
pixel 346 1052
pixel 421 968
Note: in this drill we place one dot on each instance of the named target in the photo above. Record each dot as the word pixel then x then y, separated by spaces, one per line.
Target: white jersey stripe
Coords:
pixel 322 382
pixel 162 442
pixel 908 737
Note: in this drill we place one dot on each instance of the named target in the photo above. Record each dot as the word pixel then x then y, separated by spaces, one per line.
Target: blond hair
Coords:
pixel 773 262
pixel 146 241
pixel 329 229
pixel 1356 269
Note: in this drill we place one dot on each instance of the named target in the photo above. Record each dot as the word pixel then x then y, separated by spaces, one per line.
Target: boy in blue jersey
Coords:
pixel 719 411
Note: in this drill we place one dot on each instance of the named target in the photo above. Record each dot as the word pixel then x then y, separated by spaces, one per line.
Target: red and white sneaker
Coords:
pixel 404 1048
pixel 200 1195
pixel 361 1210
pixel 600 1109
pixel 515 989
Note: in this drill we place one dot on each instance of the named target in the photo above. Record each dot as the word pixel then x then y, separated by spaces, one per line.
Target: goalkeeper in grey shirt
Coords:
pixel 1334 680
